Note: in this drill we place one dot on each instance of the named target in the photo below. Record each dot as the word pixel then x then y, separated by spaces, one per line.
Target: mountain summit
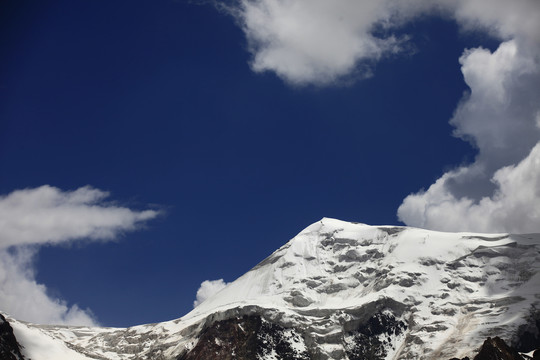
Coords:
pixel 341 290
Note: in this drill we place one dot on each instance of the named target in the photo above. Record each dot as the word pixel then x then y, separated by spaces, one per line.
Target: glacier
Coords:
pixel 340 290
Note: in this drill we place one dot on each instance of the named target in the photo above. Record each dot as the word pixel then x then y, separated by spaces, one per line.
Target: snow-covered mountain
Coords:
pixel 341 290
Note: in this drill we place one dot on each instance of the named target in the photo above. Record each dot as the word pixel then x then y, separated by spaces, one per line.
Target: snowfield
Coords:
pixel 435 295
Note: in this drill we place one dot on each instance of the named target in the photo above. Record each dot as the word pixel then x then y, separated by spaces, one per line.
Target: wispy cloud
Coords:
pixel 207 289
pixel 46 215
pixel 308 42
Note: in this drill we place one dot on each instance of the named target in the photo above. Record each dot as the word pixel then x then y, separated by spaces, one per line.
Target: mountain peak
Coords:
pixel 344 290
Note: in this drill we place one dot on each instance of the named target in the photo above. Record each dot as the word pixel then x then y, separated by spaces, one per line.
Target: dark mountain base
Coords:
pixel 9 348
pixel 496 349
pixel 252 337
pixel 245 338
pixel 370 340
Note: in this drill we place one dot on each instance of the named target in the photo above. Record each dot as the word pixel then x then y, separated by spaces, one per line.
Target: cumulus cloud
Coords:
pixel 498 192
pixel 47 215
pixel 207 289
pixel 513 207
pixel 318 42
pixel 506 19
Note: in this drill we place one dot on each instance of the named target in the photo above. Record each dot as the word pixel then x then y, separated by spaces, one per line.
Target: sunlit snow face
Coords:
pixel 338 279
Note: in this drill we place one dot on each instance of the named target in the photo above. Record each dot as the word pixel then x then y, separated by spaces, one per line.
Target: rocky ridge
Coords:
pixel 9 347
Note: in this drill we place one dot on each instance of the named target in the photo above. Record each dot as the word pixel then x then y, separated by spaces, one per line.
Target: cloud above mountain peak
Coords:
pixel 315 42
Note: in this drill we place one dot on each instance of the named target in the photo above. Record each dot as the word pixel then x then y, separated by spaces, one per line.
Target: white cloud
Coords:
pixel 504 18
pixel 513 207
pixel 47 215
pixel 320 42
pixel 25 299
pixel 207 289
pixel 501 106
pixel 499 117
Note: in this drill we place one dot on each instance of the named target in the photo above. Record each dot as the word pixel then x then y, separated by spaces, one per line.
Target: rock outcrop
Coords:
pixel 496 349
pixel 9 347
pixel 246 338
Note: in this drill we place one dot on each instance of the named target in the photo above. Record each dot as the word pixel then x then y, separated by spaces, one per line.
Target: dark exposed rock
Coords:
pixel 371 339
pixel 496 349
pixel 9 348
pixel 406 282
pixel 245 338
pixel 529 334
pixel 486 238
pixel 392 230
pixel 296 298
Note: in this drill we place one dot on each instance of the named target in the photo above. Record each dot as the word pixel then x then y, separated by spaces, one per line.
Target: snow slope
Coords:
pixel 438 294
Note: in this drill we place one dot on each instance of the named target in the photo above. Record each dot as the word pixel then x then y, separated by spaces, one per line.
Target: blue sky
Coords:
pixel 233 134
